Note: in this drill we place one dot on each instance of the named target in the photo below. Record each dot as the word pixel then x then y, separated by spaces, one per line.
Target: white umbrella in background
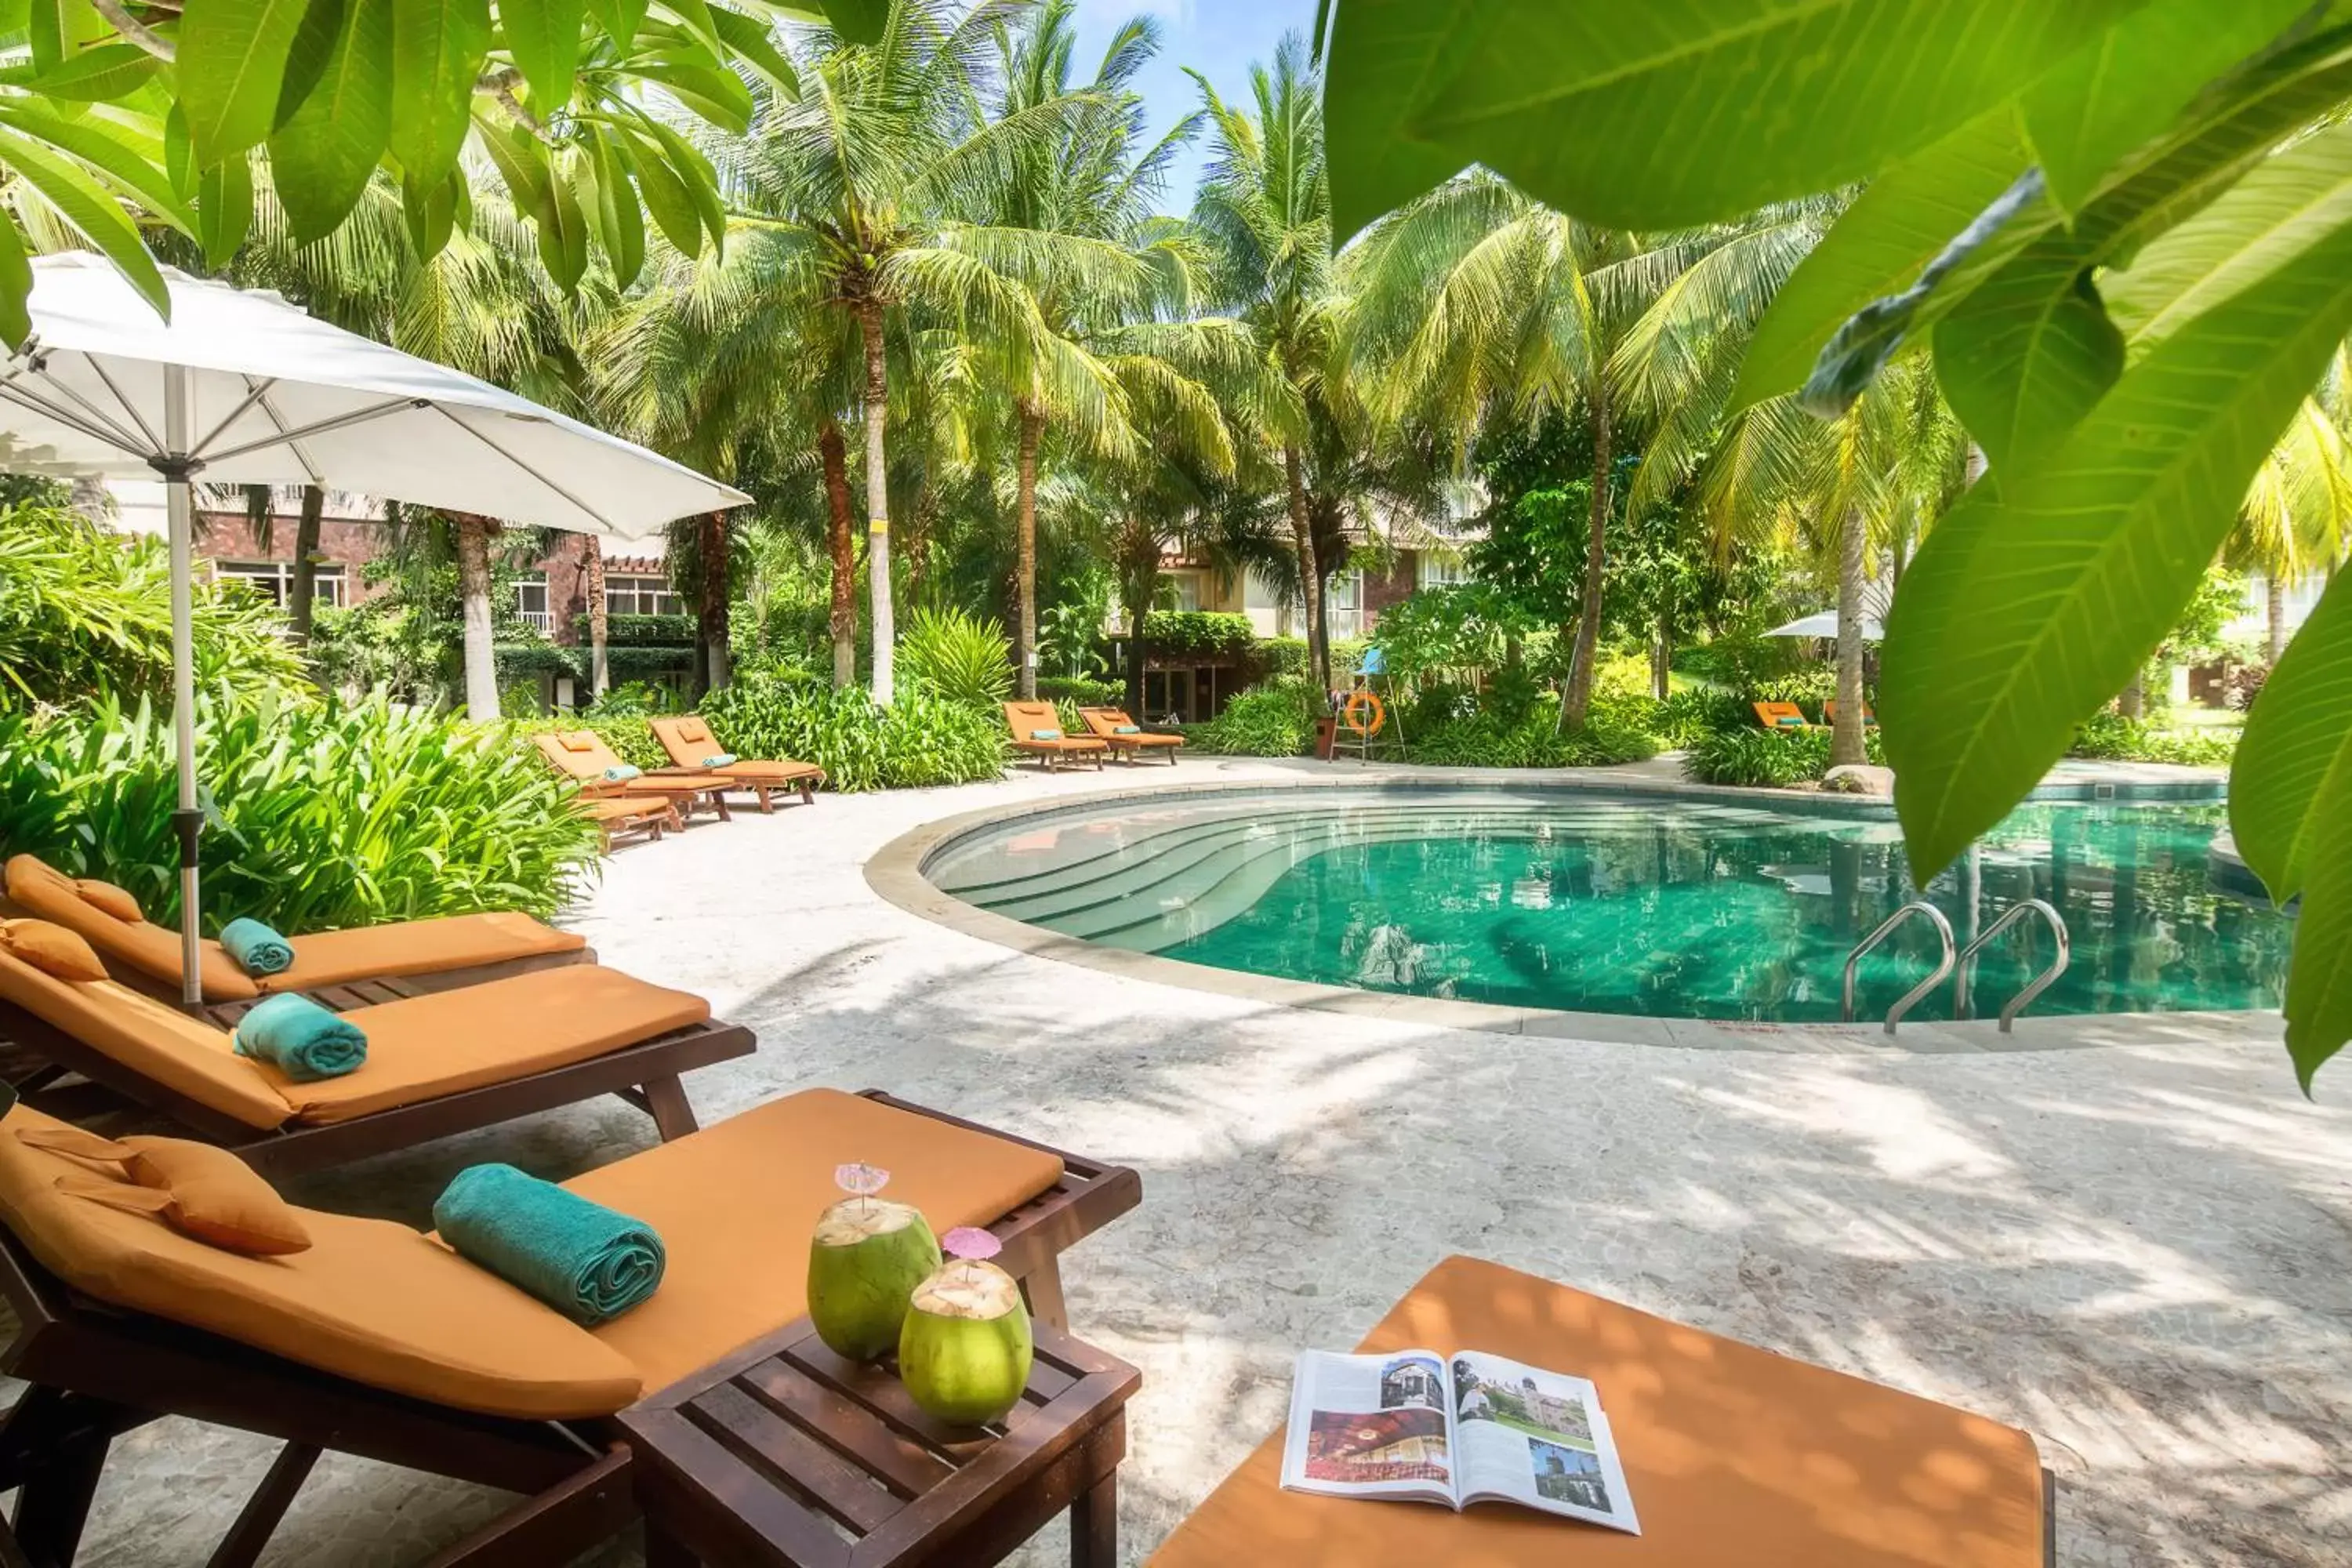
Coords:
pixel 242 387
pixel 1824 625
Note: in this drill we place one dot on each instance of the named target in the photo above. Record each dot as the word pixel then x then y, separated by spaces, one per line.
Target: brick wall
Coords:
pixel 1397 583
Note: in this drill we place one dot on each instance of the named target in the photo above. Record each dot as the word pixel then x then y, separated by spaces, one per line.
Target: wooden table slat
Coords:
pixel 723 1483
pixel 882 1392
pixel 832 1483
pixel 899 1461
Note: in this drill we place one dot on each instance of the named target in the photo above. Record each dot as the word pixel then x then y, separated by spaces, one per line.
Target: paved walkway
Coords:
pixel 2141 1252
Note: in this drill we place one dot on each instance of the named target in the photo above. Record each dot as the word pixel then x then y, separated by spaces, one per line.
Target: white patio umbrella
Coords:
pixel 1824 625
pixel 242 387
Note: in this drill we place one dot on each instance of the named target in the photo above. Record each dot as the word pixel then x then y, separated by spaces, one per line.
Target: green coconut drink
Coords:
pixel 865 1260
pixel 965 1350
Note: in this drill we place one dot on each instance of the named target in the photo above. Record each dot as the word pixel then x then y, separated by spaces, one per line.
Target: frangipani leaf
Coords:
pixel 2028 352
pixel 83 202
pixel 223 208
pixel 320 158
pixel 858 21
pixel 98 143
pixel 1386 55
pixel 543 38
pixel 2041 595
pixel 98 75
pixel 438 49
pixel 231 67
pixel 15 288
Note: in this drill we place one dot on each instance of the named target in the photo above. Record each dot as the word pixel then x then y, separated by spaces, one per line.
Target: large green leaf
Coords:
pixel 232 66
pixel 857 21
pixel 1878 246
pixel 562 234
pixel 620 221
pixel 2290 802
pixel 2039 596
pixel 716 94
pixel 320 158
pixel 619 19
pixel 223 208
pixel 431 212
pixel 2286 203
pixel 86 205
pixel 543 37
pixel 1685 111
pixel 1387 55
pixel 101 144
pixel 2124 86
pixel 523 162
pixel 2028 352
pixel 16 286
pixel 751 38
pixel 667 198
pixel 98 75
pixel 695 174
pixel 438 47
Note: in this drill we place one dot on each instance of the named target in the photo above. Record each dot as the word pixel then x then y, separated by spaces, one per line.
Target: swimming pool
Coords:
pixel 1657 906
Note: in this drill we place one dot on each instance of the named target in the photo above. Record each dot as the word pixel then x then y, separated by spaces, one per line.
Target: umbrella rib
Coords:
pixel 253 394
pixel 341 421
pixel 302 455
pixel 484 437
pixel 120 440
pixel 153 441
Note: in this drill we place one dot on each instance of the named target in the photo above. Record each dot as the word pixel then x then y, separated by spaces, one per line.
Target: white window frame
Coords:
pixel 640 593
pixel 275 580
pixel 1436 571
pixel 543 618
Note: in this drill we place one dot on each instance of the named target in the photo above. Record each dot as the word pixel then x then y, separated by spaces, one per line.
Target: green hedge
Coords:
pixel 2114 738
pixel 1196 634
pixel 1079 691
pixel 919 739
pixel 323 815
pixel 1486 740
pixel 639 631
pixel 1277 719
pixel 631 737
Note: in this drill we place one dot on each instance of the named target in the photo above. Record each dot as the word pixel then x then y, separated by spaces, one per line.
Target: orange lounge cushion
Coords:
pixel 1734 1455
pixel 579 753
pixel 152 1039
pixel 419 947
pixel 693 731
pixel 369 1301
pixel 735 1206
pixel 209 1193
pixel 51 949
pixel 617 808
pixel 109 899
pixel 577 741
pixel 446 1042
pixel 763 771
pixel 152 950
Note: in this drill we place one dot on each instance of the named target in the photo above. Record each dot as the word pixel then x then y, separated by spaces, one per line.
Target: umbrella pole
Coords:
pixel 188 820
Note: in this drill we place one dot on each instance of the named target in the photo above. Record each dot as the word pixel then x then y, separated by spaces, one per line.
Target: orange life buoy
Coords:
pixel 1353 714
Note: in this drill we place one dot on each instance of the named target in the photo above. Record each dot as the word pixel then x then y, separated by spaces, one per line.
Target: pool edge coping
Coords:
pixel 896 873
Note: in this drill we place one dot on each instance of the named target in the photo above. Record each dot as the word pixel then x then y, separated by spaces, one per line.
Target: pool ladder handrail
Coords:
pixel 2034 987
pixel 1910 998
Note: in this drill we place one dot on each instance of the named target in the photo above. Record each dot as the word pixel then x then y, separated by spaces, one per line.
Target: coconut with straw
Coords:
pixel 965 1350
pixel 867 1257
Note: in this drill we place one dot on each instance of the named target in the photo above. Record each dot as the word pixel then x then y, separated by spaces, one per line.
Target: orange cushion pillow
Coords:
pixel 208 1193
pixel 51 949
pixel 693 731
pixel 576 740
pixel 109 899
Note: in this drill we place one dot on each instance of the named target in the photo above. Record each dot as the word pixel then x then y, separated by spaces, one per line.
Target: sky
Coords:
pixel 1218 38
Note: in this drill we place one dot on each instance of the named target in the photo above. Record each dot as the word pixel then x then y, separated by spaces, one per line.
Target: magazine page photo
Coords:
pixel 1370 1427
pixel 1536 1437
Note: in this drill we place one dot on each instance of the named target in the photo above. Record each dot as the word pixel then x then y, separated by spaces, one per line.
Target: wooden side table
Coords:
pixel 786 1455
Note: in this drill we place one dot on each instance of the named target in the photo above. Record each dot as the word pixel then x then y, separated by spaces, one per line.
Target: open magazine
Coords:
pixel 1473 1427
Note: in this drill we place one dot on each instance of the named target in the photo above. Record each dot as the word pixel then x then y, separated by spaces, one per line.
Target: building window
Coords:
pixel 1185 588
pixel 274 580
pixel 1340 600
pixel 1439 571
pixel 634 596
pixel 530 600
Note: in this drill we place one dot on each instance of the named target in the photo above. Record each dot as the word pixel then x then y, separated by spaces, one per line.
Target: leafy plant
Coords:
pixel 320 815
pixel 1489 740
pixel 1277 719
pixel 957 656
pixel 1756 757
pixel 631 738
pixel 920 740
pixel 2113 737
pixel 640 631
pixel 1195 634
pixel 1079 691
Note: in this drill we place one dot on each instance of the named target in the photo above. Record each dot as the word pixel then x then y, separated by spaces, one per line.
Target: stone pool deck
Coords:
pixel 2141 1252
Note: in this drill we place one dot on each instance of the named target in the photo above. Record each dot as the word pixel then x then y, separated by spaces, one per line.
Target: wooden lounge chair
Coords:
pixel 1127 738
pixel 1829 713
pixel 438 1062
pixel 688 741
pixel 1777 716
pixel 378 1343
pixel 1029 721
pixel 582 756
pixel 457 950
pixel 616 815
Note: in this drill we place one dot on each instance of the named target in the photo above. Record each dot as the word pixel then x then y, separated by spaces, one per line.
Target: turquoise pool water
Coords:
pixel 1657 906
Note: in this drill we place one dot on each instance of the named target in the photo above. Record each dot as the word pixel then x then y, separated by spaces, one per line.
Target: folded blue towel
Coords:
pixel 258 949
pixel 622 773
pixel 299 1038
pixel 586 1261
pixel 722 760
pixel 1126 729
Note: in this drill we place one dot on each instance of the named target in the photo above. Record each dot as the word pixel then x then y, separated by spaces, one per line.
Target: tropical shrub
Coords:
pixel 1080 691
pixel 958 657
pixel 1755 757
pixel 920 740
pixel 85 610
pixel 631 738
pixel 1277 719
pixel 1273 656
pixel 1685 718
pixel 639 631
pixel 1488 741
pixel 320 815
pixel 1173 634
pixel 2110 736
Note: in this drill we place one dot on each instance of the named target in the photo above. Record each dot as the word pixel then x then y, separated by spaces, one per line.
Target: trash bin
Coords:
pixel 1327 736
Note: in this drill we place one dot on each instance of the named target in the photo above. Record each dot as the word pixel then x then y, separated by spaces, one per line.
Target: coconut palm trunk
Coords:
pixel 841 541
pixel 711 619
pixel 302 593
pixel 474 609
pixel 1302 533
pixel 877 499
pixel 600 625
pixel 1578 701
pixel 1024 647
pixel 1845 732
pixel 2274 612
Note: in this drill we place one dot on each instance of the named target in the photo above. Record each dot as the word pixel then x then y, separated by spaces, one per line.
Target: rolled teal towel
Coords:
pixel 1126 729
pixel 299 1038
pixel 258 949
pixel 723 760
pixel 588 1262
pixel 622 773
pixel 1044 734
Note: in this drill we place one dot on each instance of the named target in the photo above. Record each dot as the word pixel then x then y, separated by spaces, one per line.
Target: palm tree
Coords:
pixel 2297 515
pixel 1474 303
pixel 1265 205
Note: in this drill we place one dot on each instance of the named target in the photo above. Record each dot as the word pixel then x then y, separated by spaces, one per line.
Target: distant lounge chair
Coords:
pixel 1037 729
pixel 438 1062
pixel 1122 734
pixel 1781 716
pixel 615 815
pixel 582 756
pixel 378 1343
pixel 688 741
pixel 456 949
pixel 1829 713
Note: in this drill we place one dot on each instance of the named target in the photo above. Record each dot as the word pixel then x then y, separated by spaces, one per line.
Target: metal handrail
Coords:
pixel 2034 987
pixel 1911 997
